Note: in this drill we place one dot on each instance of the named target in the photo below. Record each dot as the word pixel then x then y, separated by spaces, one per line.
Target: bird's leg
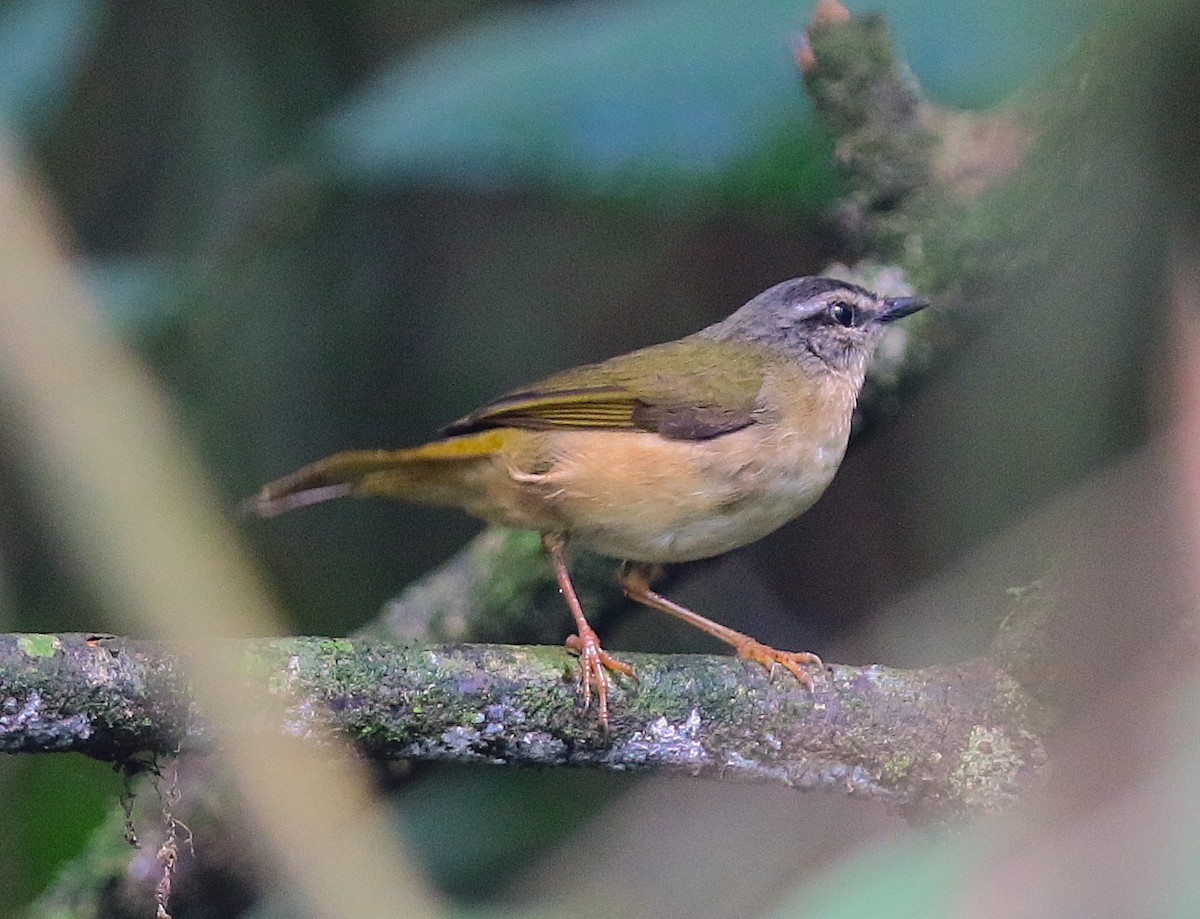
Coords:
pixel 593 660
pixel 635 581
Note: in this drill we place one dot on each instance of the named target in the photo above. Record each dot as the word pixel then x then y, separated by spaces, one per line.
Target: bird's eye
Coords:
pixel 842 314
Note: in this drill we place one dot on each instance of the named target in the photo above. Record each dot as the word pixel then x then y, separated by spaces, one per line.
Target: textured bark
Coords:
pixel 937 742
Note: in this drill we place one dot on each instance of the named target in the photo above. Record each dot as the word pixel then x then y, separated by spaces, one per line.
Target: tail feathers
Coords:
pixel 402 473
pixel 268 503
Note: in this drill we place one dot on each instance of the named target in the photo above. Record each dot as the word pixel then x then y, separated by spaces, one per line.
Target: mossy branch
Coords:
pixel 938 742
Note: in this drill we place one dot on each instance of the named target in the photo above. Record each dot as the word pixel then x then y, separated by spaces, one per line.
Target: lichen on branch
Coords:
pixel 937 742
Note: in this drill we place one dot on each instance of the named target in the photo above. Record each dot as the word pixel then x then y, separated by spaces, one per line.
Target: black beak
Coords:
pixel 898 307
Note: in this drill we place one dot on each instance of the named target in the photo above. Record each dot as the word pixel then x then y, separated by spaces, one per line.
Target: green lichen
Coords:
pixel 38 645
pixel 336 646
pixel 987 768
pixel 256 663
pixel 898 768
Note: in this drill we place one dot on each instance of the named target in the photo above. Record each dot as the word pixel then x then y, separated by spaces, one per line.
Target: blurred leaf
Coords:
pixel 42 45
pixel 134 293
pixel 53 805
pixel 606 95
pixel 648 96
pixel 912 879
pixel 477 827
pixel 973 55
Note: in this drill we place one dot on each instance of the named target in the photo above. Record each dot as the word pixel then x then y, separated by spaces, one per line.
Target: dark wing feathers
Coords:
pixel 696 422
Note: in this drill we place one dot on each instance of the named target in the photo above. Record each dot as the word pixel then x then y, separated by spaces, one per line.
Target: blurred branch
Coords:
pixel 937 743
pixel 499 587
pixel 909 163
pixel 868 101
pixel 135 515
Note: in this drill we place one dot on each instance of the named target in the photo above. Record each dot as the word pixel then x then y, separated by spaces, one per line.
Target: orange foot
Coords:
pixel 593 662
pixel 792 661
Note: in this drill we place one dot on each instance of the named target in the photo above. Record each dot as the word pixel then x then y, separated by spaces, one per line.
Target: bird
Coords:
pixel 671 453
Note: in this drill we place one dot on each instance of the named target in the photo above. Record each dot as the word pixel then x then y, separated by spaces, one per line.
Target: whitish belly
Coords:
pixel 712 531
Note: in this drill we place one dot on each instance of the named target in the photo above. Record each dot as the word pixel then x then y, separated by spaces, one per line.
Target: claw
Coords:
pixel 793 662
pixel 636 578
pixel 594 662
